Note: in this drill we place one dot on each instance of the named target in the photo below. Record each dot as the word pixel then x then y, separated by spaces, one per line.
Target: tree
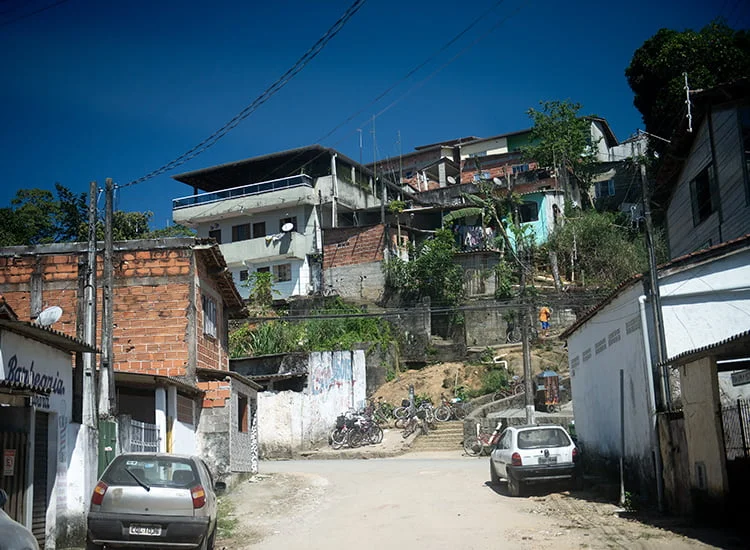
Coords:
pixel 561 139
pixel 714 55
pixel 432 272
pixel 174 230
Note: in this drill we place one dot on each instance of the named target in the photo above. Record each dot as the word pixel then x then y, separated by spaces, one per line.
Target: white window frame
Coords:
pixel 210 310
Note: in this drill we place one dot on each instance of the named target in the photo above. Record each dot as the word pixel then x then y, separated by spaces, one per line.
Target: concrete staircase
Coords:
pixel 448 436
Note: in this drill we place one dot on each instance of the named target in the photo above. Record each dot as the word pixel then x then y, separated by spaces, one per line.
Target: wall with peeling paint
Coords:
pixel 290 422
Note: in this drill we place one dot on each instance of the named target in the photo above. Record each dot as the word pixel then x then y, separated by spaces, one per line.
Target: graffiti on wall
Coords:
pixel 335 373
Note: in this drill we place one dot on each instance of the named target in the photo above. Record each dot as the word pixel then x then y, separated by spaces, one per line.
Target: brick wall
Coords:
pixel 353 245
pixel 212 353
pixel 217 393
pixel 152 303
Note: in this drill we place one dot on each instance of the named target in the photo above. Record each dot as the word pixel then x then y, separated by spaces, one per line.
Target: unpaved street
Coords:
pixel 433 501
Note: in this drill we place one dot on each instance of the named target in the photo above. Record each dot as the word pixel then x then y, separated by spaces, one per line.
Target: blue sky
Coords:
pixel 116 89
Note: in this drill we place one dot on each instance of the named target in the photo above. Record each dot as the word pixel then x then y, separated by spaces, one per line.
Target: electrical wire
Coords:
pixel 40 10
pixel 301 63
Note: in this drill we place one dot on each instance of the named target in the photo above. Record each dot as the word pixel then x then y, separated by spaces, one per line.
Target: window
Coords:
pixel 703 195
pixel 482 176
pixel 243 275
pixel 528 212
pixel 209 316
pixel 283 272
pixel 259 229
pixel 184 409
pixel 605 189
pixel 263 269
pixel 215 234
pixel 240 232
pixel 242 413
pixel 517 169
pixel 292 220
pixel 479 154
pixel 745 130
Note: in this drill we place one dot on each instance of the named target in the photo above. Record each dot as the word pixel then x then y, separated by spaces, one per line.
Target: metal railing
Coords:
pixel 245 190
pixel 144 437
pixel 735 422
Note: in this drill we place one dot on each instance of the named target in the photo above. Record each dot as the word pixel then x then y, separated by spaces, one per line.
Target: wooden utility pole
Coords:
pixel 107 380
pixel 89 317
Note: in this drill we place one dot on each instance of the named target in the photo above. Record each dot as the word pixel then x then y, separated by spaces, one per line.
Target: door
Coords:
pixel 13 446
pixel 501 455
pixel 40 498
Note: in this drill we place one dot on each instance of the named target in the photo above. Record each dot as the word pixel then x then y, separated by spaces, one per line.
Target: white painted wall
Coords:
pixel 490 147
pixel 183 438
pixel 701 305
pixel 292 421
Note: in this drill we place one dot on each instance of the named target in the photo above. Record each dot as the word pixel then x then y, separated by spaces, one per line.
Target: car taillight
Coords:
pixel 98 496
pixel 576 454
pixel 199 496
pixel 515 459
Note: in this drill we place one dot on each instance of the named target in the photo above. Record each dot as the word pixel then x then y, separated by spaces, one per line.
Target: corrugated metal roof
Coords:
pixel 278 376
pixel 22 387
pixel 123 377
pixel 735 346
pixel 218 373
pixel 47 335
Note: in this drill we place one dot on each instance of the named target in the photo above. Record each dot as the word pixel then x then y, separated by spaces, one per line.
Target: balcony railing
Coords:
pixel 302 180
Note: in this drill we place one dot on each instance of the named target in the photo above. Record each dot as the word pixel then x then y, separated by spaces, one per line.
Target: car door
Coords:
pixel 501 454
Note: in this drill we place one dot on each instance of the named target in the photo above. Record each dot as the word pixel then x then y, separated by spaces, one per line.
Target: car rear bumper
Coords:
pixel 176 531
pixel 542 473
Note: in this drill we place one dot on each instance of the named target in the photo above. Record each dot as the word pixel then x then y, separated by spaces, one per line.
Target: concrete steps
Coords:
pixel 448 436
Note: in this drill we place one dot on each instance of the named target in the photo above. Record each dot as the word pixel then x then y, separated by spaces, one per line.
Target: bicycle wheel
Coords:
pixel 355 438
pixel 519 388
pixel 375 434
pixel 459 411
pixel 400 423
pixel 513 336
pixel 442 413
pixel 338 438
pixel 400 412
pixel 409 428
pixel 472 445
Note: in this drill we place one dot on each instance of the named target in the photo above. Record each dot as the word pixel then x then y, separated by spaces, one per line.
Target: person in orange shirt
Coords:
pixel 544 315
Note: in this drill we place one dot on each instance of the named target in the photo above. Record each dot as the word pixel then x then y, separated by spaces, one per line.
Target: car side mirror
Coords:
pixel 220 487
pixel 3 498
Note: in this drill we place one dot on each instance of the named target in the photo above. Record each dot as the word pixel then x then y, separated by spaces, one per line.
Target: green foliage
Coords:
pixel 561 138
pixel 505 278
pixel 174 230
pixel 261 288
pixel 605 249
pixel 337 333
pixel 226 520
pixel 714 55
pixel 396 206
pixel 432 272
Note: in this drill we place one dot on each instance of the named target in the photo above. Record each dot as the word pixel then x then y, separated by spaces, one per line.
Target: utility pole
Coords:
pixel 527 374
pixel 663 375
pixel 107 380
pixel 89 318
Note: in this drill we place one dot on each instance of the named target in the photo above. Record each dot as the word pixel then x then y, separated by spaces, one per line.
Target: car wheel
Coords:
pixel 514 486
pixel 494 478
pixel 211 540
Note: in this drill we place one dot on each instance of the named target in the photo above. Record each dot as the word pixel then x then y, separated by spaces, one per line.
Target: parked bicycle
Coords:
pixel 450 409
pixel 355 428
pixel 381 411
pixel 513 333
pixel 416 422
pixel 481 442
pixel 515 386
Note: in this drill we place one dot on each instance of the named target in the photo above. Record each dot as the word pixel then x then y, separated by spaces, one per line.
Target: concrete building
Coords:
pixel 705 299
pixel 269 213
pixel 45 445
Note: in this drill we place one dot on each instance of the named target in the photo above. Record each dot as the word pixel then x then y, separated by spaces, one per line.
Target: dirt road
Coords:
pixel 434 501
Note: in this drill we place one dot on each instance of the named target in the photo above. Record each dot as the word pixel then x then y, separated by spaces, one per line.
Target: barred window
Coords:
pixel 586 354
pixel 614 336
pixel 209 316
pixel 601 345
pixel 633 325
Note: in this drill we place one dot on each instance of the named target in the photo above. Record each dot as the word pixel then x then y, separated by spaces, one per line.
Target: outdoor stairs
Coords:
pixel 448 436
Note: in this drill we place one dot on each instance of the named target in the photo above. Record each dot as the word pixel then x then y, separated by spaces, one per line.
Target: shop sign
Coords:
pixel 9 462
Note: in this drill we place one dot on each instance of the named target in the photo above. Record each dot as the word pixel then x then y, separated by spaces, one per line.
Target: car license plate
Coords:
pixel 148 530
pixel 547 459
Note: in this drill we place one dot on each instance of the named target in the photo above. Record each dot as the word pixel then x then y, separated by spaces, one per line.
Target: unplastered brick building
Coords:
pixel 172 299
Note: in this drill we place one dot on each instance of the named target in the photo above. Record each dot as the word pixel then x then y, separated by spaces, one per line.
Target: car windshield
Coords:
pixel 151 471
pixel 545 437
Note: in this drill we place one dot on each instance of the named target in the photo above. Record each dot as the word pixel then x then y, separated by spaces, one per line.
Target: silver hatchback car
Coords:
pixel 153 500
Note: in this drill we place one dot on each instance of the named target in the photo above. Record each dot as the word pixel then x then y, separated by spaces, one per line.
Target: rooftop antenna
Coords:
pixel 687 100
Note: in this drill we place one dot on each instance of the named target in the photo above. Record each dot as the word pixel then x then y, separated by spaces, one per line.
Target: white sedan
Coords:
pixel 534 454
pixel 14 535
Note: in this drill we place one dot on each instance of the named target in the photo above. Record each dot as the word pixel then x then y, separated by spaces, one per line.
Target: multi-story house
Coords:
pixel 172 301
pixel 269 213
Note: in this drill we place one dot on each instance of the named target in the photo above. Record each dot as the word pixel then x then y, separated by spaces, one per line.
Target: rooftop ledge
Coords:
pixel 302 180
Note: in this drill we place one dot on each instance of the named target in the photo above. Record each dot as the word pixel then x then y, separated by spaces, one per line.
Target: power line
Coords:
pixel 301 63
pixel 40 10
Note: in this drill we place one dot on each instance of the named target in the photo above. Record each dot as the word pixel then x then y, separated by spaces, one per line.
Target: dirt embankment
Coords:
pixel 438 378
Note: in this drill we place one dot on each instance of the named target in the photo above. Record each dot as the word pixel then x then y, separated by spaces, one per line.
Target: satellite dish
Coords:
pixel 451 180
pixel 287 227
pixel 49 316
pixel 497 181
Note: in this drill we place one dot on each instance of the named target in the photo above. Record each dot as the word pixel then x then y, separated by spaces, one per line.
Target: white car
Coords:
pixel 534 454
pixel 14 535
